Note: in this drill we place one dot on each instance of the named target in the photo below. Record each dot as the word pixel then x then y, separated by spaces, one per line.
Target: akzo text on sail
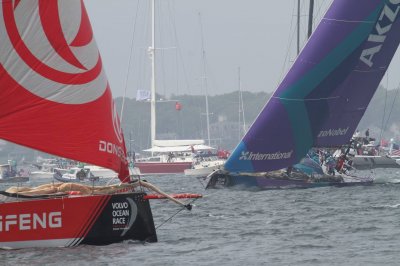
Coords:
pixel 388 16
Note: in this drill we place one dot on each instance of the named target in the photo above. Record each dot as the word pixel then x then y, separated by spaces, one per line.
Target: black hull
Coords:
pixel 226 180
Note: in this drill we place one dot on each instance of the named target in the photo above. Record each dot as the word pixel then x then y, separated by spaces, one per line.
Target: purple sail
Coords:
pixel 327 90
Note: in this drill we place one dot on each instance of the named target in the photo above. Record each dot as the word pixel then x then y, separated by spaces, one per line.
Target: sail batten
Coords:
pixel 55 96
pixel 325 93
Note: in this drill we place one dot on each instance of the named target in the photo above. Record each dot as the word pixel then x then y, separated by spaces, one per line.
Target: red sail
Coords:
pixel 54 94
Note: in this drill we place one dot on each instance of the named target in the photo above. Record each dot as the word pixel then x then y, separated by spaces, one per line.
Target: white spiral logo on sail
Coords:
pixel 33 53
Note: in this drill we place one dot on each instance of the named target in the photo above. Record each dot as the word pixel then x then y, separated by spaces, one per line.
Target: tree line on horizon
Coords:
pixel 381 117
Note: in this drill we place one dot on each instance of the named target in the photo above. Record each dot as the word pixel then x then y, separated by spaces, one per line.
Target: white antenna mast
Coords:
pixel 204 81
pixel 152 53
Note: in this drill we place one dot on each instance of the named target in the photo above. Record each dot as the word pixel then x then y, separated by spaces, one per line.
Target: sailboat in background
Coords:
pixel 10 174
pixel 205 163
pixel 322 98
pixel 168 156
pixel 52 74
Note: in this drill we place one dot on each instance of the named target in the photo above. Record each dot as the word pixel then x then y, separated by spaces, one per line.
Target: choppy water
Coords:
pixel 322 226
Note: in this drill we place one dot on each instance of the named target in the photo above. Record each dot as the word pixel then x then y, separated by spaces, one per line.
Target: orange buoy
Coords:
pixel 178 106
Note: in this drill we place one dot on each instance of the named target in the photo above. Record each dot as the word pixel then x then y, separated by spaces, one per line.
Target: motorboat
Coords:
pixel 75 174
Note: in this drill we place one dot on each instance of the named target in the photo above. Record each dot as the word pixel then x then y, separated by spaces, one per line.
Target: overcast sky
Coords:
pixel 256 35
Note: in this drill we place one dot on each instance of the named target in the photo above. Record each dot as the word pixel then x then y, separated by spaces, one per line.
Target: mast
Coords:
pixel 310 18
pixel 204 81
pixel 241 108
pixel 298 26
pixel 152 53
pixel 239 122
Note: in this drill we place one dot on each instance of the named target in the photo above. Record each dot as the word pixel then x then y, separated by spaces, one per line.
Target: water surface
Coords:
pixel 321 226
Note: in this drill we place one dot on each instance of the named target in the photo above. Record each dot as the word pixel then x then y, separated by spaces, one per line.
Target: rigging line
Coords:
pixel 172 21
pixel 179 52
pixel 306 100
pixel 350 21
pixel 176 213
pixel 161 56
pixel 241 107
pixel 391 109
pixel 289 44
pixel 384 108
pixel 304 29
pixel 142 73
pixel 204 80
pixel 298 27
pixel 177 72
pixel 140 183
pixel 201 183
pixel 319 12
pixel 210 75
pixel 316 14
pixel 164 75
pixel 129 61
pixel 310 18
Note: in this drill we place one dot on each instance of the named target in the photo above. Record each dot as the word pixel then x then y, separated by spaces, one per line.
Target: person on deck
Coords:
pixel 81 174
pixel 289 170
pixel 170 156
pixel 340 163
